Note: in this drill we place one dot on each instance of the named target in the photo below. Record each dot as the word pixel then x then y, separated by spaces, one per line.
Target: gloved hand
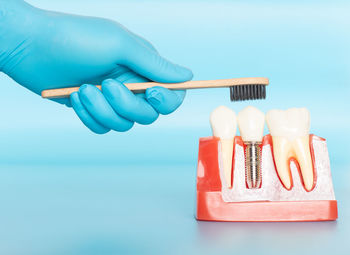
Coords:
pixel 44 50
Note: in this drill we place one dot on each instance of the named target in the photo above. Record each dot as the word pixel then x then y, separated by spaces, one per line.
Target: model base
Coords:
pixel 211 207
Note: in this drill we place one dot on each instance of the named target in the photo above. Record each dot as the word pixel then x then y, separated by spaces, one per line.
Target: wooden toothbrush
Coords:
pixel 250 88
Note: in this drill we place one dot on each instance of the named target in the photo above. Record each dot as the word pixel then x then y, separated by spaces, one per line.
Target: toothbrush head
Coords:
pixel 248 92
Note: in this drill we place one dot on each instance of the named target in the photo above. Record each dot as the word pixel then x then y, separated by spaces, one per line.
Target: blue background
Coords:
pixel 65 190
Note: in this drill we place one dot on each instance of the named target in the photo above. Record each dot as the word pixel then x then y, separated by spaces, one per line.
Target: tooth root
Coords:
pixel 227 154
pixel 302 152
pixel 282 152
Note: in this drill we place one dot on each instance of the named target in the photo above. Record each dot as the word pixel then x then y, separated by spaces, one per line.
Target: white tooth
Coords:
pixel 224 124
pixel 290 135
pixel 251 123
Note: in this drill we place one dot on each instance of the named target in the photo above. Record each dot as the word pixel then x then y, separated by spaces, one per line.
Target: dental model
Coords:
pixel 251 122
pixel 290 136
pixel 282 176
pixel 224 125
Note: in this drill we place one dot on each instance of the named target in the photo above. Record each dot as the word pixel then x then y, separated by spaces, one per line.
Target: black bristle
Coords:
pixel 240 93
pixel 237 93
pixel 247 92
pixel 243 93
pixel 264 92
pixel 256 91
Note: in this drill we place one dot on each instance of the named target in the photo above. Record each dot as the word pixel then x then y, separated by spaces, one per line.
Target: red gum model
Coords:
pixel 211 207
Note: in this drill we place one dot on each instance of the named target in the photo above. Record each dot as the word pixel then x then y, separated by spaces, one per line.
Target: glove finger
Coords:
pixel 85 117
pixel 126 104
pixel 98 107
pixel 151 65
pixel 165 101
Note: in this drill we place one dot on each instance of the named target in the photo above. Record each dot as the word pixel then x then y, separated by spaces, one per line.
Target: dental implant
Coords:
pixel 251 123
pixel 253 164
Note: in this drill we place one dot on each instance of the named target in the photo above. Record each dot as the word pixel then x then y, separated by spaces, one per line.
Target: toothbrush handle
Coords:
pixel 141 87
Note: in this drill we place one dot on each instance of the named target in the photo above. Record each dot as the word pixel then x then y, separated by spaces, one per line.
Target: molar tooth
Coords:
pixel 224 124
pixel 290 135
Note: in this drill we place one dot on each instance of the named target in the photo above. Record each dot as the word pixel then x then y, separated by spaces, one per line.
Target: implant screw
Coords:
pixel 253 164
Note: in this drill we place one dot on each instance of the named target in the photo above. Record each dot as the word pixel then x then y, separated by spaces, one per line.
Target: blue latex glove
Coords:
pixel 43 50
